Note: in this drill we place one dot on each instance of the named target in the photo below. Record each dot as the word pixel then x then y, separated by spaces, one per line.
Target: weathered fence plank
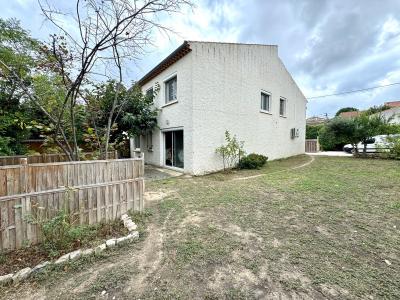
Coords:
pixel 312 145
pixel 90 191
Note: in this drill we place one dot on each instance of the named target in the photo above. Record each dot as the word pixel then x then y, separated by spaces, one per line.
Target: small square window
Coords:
pixel 265 102
pixel 282 107
pixel 171 90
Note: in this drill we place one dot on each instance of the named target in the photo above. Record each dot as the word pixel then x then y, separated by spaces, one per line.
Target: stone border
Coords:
pixel 74 255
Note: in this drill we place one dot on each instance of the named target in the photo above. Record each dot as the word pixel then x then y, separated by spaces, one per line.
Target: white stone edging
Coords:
pixel 74 255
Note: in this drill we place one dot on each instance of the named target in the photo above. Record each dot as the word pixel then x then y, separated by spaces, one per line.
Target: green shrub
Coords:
pixel 252 161
pixel 395 150
pixel 59 234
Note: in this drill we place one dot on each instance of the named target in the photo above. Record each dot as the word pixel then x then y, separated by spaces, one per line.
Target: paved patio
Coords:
pixel 156 173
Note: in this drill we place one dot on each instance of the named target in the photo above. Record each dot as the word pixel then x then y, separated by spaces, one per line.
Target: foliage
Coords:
pixel 231 152
pixel 252 161
pixel 345 109
pixel 395 149
pixel 21 52
pixel 312 131
pixel 340 131
pixel 58 233
pixel 135 115
pixel 376 109
pixel 336 133
pixel 366 127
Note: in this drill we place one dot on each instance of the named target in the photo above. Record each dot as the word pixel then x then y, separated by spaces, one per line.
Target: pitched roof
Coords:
pixel 180 52
pixel 393 103
pixel 349 114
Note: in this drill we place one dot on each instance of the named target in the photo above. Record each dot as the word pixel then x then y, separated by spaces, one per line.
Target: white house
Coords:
pixel 203 89
pixel 392 115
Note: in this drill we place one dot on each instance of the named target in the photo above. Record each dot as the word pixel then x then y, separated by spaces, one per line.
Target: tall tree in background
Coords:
pixel 345 109
pixel 97 38
pixel 22 54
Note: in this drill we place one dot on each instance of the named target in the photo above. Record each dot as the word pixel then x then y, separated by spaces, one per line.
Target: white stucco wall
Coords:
pixel 227 84
pixel 173 116
pixel 219 87
pixel 392 115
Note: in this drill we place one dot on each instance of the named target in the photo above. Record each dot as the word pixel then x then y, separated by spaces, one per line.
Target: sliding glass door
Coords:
pixel 174 148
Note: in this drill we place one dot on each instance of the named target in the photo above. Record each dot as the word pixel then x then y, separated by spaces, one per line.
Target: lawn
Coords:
pixel 328 229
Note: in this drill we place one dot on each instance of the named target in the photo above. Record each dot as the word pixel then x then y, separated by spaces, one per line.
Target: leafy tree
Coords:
pixel 367 126
pixel 22 55
pixel 134 115
pixel 337 132
pixel 345 109
pixel 312 131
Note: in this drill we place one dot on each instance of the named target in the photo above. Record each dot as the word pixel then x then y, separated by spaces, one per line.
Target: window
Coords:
pixel 265 102
pixel 170 90
pixel 149 138
pixel 137 141
pixel 282 107
pixel 150 94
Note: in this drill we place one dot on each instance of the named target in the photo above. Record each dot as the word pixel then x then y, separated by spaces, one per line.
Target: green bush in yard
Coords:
pixel 395 150
pixel 253 161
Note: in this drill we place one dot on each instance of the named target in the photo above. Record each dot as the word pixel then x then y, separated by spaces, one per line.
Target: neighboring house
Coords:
pixel 392 114
pixel 205 88
pixel 350 114
pixel 392 104
pixel 316 120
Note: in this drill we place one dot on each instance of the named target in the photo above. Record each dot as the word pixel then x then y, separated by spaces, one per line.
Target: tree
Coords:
pixel 108 33
pixel 345 109
pixel 336 132
pixel 22 55
pixel 134 114
pixel 367 126
pixel 312 131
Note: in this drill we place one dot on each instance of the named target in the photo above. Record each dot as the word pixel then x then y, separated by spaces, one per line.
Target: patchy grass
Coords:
pixel 327 230
pixel 324 230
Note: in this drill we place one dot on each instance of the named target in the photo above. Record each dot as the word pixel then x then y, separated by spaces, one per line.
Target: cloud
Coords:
pixel 328 46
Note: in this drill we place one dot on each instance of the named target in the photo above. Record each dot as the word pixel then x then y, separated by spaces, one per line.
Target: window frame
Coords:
pixel 262 93
pixel 284 115
pixel 167 81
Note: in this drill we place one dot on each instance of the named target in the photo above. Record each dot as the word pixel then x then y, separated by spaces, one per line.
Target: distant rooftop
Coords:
pixel 393 103
pixel 349 114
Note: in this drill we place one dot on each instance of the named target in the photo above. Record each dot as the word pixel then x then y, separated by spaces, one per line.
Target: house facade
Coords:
pixel 203 89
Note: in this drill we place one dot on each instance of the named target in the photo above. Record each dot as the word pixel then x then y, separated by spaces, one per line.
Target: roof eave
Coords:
pixel 176 55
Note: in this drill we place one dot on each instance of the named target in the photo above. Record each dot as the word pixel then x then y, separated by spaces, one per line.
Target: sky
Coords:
pixel 329 46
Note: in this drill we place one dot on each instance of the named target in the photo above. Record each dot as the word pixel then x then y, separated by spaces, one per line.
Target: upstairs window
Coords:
pixel 150 94
pixel 282 107
pixel 170 90
pixel 265 102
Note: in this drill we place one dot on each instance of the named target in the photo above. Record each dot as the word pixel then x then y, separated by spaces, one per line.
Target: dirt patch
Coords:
pixel 149 259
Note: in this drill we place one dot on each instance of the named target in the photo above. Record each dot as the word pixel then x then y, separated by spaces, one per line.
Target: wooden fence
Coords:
pixel 48 158
pixel 312 146
pixel 90 191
